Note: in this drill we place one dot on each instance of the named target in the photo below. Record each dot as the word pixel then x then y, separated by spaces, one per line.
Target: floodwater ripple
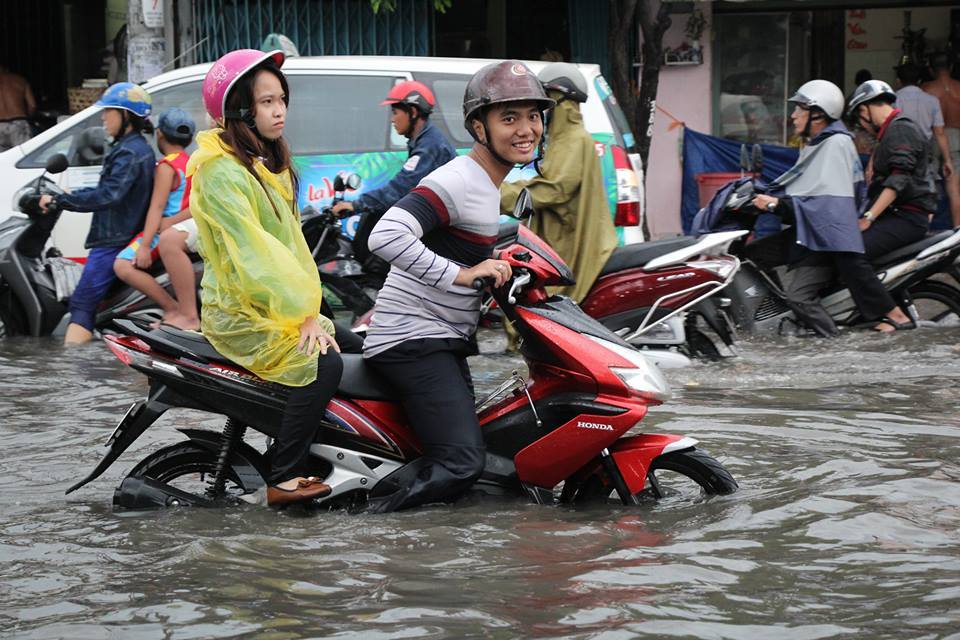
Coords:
pixel 846 524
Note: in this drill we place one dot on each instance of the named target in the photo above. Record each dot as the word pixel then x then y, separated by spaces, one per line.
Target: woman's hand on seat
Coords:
pixel 312 336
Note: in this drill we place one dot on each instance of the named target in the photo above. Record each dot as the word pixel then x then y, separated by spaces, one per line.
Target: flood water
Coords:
pixel 846 523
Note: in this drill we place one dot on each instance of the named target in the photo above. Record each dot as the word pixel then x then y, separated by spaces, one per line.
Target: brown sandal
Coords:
pixel 307 489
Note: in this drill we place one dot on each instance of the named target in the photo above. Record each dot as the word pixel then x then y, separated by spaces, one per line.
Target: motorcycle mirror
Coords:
pixel 744 160
pixel 57 163
pixel 353 181
pixel 757 160
pixel 338 183
pixel 523 208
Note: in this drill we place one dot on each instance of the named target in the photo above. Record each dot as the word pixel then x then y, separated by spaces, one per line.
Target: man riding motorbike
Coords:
pixel 438 240
pixel 818 195
pixel 902 194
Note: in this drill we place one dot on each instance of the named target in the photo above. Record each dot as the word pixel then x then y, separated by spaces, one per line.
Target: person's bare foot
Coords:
pixel 181 321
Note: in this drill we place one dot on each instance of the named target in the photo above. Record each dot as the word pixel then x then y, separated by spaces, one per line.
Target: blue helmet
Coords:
pixel 129 96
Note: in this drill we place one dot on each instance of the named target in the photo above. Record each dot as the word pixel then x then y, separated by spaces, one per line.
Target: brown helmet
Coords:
pixel 507 81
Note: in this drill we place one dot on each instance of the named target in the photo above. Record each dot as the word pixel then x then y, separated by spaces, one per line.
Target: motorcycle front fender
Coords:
pixel 633 455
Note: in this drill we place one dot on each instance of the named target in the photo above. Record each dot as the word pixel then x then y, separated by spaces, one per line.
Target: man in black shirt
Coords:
pixel 901 194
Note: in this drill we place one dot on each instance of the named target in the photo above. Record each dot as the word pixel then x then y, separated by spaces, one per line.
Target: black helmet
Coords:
pixel 565 78
pixel 507 81
pixel 869 91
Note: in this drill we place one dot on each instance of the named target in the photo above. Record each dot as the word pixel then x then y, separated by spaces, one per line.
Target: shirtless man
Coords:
pixel 947 90
pixel 16 105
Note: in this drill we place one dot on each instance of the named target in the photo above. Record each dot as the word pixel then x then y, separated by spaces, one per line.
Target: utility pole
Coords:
pixel 146 44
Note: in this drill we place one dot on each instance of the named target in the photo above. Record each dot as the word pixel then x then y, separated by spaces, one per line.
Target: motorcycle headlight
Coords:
pixel 644 377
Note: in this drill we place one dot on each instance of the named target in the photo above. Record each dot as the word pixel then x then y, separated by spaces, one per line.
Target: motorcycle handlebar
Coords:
pixel 486 281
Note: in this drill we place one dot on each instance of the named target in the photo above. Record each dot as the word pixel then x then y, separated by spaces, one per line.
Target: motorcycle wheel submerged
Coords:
pixel 937 302
pixel 676 478
pixel 183 475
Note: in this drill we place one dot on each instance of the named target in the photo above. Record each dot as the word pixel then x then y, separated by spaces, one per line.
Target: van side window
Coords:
pixel 448 114
pixel 187 96
pixel 83 145
pixel 337 114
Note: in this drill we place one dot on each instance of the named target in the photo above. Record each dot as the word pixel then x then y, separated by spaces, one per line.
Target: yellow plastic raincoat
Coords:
pixel 572 212
pixel 259 282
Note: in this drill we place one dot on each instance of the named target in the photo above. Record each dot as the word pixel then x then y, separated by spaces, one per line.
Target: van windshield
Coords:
pixel 621 127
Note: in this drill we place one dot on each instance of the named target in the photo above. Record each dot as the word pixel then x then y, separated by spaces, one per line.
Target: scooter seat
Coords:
pixel 909 251
pixel 360 381
pixel 190 343
pixel 637 255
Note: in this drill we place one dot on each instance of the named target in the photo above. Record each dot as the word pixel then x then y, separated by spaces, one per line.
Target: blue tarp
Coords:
pixel 704 153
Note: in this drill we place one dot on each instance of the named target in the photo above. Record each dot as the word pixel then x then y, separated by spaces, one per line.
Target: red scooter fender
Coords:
pixel 634 454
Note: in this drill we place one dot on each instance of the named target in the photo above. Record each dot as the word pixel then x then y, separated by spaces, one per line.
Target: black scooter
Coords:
pixel 347 269
pixel 36 281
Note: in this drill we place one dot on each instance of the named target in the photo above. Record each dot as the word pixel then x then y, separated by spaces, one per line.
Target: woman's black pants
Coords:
pixel 301 419
pixel 432 377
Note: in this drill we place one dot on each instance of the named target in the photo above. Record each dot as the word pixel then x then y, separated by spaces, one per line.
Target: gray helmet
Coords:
pixel 822 94
pixel 871 90
pixel 565 78
pixel 507 81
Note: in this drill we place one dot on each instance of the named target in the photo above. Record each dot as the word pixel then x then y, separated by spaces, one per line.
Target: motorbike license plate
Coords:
pixel 132 412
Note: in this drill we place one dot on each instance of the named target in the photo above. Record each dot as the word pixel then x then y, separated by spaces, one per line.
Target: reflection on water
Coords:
pixel 846 524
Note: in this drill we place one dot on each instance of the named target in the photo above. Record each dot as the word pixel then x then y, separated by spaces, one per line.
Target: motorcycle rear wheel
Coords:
pixel 189 467
pixel 679 477
pixel 937 302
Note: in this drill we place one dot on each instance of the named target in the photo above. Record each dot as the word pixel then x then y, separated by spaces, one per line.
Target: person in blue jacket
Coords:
pixel 118 202
pixel 411 104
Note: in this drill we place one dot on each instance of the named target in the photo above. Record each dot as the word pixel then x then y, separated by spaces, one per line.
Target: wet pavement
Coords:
pixel 846 524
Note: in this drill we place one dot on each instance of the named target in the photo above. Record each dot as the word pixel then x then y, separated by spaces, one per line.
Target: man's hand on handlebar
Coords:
pixel 765 202
pixel 342 206
pixel 497 270
pixel 44 202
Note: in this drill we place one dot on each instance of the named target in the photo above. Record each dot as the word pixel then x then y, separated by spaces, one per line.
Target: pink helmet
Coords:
pixel 226 71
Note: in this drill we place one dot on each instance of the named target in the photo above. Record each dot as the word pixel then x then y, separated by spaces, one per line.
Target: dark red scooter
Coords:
pixel 558 435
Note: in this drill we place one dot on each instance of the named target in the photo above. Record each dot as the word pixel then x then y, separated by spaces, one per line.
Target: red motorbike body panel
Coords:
pixel 639 289
pixel 633 456
pixel 563 451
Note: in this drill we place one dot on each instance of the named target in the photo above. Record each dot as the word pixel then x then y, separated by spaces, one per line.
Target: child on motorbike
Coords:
pixel 261 290
pixel 171 195
pixel 439 239
pixel 118 202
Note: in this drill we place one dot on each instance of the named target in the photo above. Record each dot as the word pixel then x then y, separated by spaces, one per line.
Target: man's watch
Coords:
pixel 771 207
pixel 869 216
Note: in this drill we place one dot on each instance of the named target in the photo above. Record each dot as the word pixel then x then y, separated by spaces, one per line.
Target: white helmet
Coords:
pixel 823 94
pixel 871 90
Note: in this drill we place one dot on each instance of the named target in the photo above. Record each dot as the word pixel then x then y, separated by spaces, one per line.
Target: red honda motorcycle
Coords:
pixel 558 435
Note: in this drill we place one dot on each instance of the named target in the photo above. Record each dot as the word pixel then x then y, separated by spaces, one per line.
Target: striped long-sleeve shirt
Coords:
pixel 448 221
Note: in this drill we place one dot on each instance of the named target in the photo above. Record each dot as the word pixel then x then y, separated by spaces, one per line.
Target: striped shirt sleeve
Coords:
pixel 397 238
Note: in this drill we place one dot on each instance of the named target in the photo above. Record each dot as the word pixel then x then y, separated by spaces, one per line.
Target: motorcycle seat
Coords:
pixel 636 255
pixel 909 251
pixel 188 343
pixel 360 381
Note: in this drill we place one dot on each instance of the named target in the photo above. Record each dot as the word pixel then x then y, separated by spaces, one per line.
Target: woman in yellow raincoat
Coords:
pixel 261 290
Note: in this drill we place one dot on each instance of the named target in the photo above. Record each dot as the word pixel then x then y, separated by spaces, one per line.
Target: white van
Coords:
pixel 335 124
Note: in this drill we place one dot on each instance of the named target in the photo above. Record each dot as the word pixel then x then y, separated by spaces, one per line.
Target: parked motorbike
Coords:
pixel 647 294
pixel 36 280
pixel 559 435
pixel 923 278
pixel 347 271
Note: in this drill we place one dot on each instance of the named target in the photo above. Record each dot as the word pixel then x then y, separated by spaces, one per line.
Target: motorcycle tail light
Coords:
pixel 628 190
pixel 123 354
pixel 722 268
